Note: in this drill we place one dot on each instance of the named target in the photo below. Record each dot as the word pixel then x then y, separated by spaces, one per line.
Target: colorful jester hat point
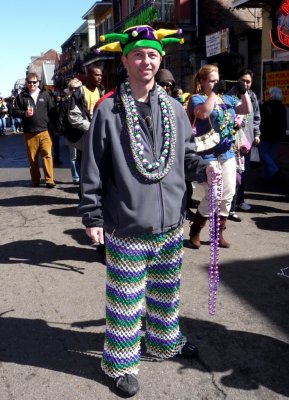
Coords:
pixel 139 36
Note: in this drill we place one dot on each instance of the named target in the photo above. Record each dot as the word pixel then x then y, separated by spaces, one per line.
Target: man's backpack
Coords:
pixel 64 128
pixel 62 123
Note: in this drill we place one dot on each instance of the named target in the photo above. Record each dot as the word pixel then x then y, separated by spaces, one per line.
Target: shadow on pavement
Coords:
pixel 260 283
pixel 267 197
pixel 278 224
pixel 64 212
pixel 35 343
pixel 79 236
pixel 251 360
pixel 43 253
pixel 39 200
pixel 18 183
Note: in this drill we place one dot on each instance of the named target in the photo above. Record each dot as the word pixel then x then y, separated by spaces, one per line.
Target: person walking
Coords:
pixel 65 129
pixel 133 188
pixel 33 106
pixel 82 103
pixel 212 114
pixel 273 129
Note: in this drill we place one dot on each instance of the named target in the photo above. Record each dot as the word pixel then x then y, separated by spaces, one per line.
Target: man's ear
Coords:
pixel 124 61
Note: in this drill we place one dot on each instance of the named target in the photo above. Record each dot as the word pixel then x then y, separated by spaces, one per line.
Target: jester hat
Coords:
pixel 139 36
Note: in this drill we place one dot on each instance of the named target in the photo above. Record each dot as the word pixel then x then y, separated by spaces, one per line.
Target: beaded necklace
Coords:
pixel 225 120
pixel 156 170
pixel 213 273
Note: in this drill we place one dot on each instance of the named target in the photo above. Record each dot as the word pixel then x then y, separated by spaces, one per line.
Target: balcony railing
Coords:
pixel 151 12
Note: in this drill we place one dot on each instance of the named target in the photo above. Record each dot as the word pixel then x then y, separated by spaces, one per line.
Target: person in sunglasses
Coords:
pixel 165 79
pixel 33 106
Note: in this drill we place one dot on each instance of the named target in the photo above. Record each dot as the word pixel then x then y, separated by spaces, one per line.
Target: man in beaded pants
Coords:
pixel 135 160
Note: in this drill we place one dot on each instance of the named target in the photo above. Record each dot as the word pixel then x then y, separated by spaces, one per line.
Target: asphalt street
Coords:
pixel 52 298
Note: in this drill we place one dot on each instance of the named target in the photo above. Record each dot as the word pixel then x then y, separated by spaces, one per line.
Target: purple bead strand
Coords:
pixel 213 273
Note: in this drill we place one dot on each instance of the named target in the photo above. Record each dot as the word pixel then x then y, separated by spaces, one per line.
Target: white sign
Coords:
pixel 217 42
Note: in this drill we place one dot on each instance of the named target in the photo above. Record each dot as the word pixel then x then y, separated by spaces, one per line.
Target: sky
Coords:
pixel 29 28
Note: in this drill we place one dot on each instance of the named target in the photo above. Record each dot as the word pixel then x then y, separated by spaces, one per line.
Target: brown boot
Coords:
pixel 222 242
pixel 196 227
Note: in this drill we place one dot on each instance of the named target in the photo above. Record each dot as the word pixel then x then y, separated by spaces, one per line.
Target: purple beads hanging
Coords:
pixel 215 195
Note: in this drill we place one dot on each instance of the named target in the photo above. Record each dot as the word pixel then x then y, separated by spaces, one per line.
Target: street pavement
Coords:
pixel 52 300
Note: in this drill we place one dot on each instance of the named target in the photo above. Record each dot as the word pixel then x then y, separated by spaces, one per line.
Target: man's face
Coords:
pixel 32 84
pixel 247 79
pixel 142 64
pixel 95 76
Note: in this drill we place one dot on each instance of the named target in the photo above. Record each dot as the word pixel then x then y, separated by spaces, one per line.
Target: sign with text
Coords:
pixel 217 42
pixel 278 79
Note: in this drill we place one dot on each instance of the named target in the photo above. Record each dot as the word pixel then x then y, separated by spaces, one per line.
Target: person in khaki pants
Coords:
pixel 33 106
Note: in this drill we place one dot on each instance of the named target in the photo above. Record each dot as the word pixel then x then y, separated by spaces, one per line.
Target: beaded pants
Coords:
pixel 137 267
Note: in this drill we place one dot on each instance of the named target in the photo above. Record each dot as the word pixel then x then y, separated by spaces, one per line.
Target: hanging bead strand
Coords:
pixel 215 189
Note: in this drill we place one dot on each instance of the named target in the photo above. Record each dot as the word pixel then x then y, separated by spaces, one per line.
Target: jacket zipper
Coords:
pixel 159 183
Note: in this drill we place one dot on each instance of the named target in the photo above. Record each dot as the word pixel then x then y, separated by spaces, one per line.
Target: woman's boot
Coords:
pixel 196 227
pixel 222 242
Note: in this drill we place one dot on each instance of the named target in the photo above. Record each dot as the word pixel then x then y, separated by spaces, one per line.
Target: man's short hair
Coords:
pixel 32 75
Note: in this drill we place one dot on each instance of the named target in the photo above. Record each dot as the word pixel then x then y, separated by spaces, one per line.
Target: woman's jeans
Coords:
pixel 268 155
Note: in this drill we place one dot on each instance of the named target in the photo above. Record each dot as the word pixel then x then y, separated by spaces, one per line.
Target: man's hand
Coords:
pixel 95 234
pixel 219 87
pixel 213 173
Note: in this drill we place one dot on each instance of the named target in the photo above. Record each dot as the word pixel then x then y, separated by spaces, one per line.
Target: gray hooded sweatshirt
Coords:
pixel 114 195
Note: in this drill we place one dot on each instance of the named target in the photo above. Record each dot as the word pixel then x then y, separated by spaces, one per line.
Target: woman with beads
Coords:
pixel 210 108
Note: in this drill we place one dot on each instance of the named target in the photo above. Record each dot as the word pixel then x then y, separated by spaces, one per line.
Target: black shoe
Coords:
pixel 189 350
pixel 234 217
pixel 35 184
pixel 50 185
pixel 127 385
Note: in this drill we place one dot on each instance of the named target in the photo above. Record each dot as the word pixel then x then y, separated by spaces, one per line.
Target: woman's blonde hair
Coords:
pixel 202 75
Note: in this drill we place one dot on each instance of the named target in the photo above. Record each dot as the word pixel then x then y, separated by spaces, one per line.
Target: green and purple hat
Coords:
pixel 139 36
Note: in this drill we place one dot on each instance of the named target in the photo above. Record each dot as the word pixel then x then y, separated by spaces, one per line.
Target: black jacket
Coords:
pixel 273 121
pixel 38 122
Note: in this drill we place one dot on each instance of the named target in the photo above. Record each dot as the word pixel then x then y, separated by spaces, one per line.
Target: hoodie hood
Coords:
pixel 164 75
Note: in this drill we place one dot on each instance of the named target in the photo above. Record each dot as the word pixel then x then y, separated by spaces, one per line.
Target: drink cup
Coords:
pixel 30 110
